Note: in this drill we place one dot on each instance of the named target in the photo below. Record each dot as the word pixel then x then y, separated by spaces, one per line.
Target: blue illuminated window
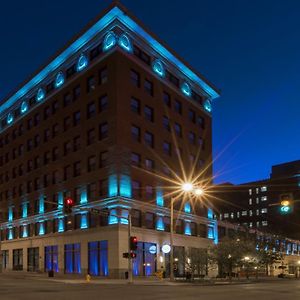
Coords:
pixel 125 43
pixel 187 207
pixel 84 221
pixel 210 213
pixel 42 228
pixel 159 197
pixel 186 89
pixel 113 219
pixel 59 79
pixel 25 231
pixel 112 186
pixel 10 118
pixel 40 94
pixel 10 234
pixel 159 68
pixel 125 186
pixel 51 258
pixel 72 258
pixel 207 105
pixel 210 232
pixel 98 258
pixel 187 228
pixel 10 214
pixel 61 225
pixel 82 63
pixel 160 223
pixel 24 107
pixel 24 210
pixel 110 41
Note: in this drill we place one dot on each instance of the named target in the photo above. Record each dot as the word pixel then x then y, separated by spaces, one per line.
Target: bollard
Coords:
pixel 88 278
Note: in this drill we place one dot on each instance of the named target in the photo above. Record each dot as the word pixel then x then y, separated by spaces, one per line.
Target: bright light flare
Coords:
pixel 199 191
pixel 187 187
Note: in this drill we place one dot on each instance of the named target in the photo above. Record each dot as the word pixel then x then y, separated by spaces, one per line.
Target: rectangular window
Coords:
pixel 135 78
pixel 91 136
pixel 148 86
pixel 167 148
pixel 136 189
pixel 103 159
pixel 76 169
pixel 192 116
pixel 18 259
pixel 166 123
pixel 91 163
pixel 135 105
pixel 103 131
pixel 91 191
pixel 178 130
pixel 149 113
pixel 149 164
pixel 33 259
pixel 51 258
pixel 135 133
pixel 135 159
pixel 178 106
pixel 76 118
pixel 91 84
pixel 103 103
pixel 192 138
pixel 91 110
pixel 98 258
pixel 149 139
pixel 68 98
pixel 103 76
pixel 72 259
pixel 167 99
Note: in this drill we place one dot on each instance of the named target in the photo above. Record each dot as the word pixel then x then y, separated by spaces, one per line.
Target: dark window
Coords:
pixel 135 78
pixel 76 118
pixel 91 163
pixel 192 116
pixel 67 148
pixel 95 51
pixel 141 55
pixel 55 106
pixel 91 84
pixel 50 87
pixel 76 143
pixel 71 71
pixel 103 131
pixel 197 97
pixel 76 92
pixel 76 169
pixel 149 139
pixel 135 105
pixel 103 102
pixel 55 153
pixel 149 192
pixel 67 172
pixel 92 191
pixel 192 137
pixel 135 159
pixel 135 133
pixel 149 220
pixel 103 187
pixel 67 123
pixel 91 136
pixel 166 123
pixel 103 159
pixel 201 122
pixel 37 119
pixel 178 106
pixel 103 77
pixel 149 113
pixel 167 99
pixel 47 135
pixel 136 189
pixel 55 130
pixel 148 86
pixel 178 130
pixel 149 164
pixel 173 79
pixel 167 148
pixel 91 110
pixel 68 99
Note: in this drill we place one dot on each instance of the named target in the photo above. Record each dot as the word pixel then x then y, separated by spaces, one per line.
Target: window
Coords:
pixel 91 163
pixel 51 258
pixel 149 163
pixel 178 130
pixel 72 258
pixel 55 106
pixel 263 189
pixel 76 92
pixel 166 123
pixel 201 122
pixel 250 192
pixel 55 130
pixel 91 110
pixel 135 159
pixel 136 189
pixel 67 172
pixel 149 220
pixel 167 148
pixel 149 139
pixel 264 223
pixel 68 98
pixel 55 152
pixel 103 187
pixel 149 113
pixel 67 123
pixel 103 103
pixel 76 169
pixel 148 86
pixel 67 148
pixel 91 136
pixel 173 79
pixel 192 116
pixel 91 191
pixel 250 201
pixel 37 119
pixel 91 84
pixel 103 76
pixel 167 99
pixel 244 213
pixel 192 137
pixel 135 133
pixel 98 258
pixel 178 106
pixel 103 159
pixel 264 198
pixel 264 210
pixel 103 131
pixel 76 143
pixel 76 118
pixel 149 192
pixel 135 105
pixel 141 55
pixel 135 78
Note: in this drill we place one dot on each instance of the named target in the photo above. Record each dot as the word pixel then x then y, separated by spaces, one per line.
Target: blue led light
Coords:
pixel 59 79
pixel 42 228
pixel 24 107
pixel 10 234
pixel 10 118
pixel 125 43
pixel 187 207
pixel 210 213
pixel 25 232
pixel 60 200
pixel 186 89
pixel 124 217
pixel 159 68
pixel 40 94
pixel 83 196
pixel 41 205
pixel 82 63
pixel 110 40
pixel 84 222
pixel 210 232
pixel 24 210
pixel 125 186
pixel 61 225
pixel 113 219
pixel 207 105
pixel 159 197
pixel 10 214
pixel 160 223
pixel 112 185
pixel 187 228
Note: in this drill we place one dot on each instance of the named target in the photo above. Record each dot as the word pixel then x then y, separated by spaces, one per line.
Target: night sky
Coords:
pixel 250 49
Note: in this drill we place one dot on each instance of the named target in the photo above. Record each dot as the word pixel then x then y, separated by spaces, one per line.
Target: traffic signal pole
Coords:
pixel 130 275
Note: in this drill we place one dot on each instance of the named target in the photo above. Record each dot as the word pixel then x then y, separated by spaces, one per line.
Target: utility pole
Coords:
pixel 130 275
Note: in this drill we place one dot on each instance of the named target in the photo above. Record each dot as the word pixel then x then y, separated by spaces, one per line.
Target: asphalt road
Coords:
pixel 42 289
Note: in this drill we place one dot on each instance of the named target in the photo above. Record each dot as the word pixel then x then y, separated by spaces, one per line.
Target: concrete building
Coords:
pixel 109 121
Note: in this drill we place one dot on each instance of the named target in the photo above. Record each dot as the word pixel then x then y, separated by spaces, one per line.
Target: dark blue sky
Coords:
pixel 250 49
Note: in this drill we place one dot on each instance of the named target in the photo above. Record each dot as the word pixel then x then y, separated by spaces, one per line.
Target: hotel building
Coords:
pixel 108 121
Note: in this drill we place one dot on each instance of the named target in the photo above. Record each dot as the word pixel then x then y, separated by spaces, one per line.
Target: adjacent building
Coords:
pixel 110 122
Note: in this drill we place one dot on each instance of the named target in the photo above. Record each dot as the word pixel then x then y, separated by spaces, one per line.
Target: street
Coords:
pixel 24 287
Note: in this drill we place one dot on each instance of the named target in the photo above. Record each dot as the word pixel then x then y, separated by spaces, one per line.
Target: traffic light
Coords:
pixel 68 204
pixel 286 204
pixel 133 243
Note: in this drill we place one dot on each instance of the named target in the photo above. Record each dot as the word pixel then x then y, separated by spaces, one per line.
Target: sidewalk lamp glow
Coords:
pixel 246 258
pixel 187 187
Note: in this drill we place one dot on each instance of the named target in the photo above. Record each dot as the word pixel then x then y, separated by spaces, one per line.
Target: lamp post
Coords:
pixel 188 188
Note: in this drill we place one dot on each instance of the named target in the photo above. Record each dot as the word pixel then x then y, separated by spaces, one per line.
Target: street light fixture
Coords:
pixel 186 187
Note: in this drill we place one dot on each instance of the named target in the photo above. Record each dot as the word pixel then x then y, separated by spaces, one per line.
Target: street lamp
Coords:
pixel 186 187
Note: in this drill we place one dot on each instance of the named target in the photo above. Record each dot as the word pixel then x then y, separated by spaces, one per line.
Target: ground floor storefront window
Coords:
pixel 98 258
pixel 33 259
pixel 145 262
pixel 72 258
pixel 18 259
pixel 5 259
pixel 51 258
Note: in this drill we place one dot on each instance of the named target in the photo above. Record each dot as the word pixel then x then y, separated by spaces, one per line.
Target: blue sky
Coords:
pixel 248 48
